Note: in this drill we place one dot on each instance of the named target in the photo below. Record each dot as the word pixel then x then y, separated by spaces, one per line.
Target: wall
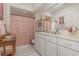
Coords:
pixel 70 13
pixel 6 10
pixel 1 11
pixel 6 16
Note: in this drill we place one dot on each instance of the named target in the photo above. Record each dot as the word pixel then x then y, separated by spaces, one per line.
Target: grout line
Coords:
pixel 36 50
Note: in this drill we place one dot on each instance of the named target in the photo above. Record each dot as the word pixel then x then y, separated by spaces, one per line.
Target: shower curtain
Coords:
pixel 23 28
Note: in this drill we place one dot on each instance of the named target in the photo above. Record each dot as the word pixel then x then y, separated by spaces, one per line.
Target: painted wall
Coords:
pixel 2 28
pixel 6 10
pixel 23 28
pixel 6 16
pixel 70 13
pixel 1 10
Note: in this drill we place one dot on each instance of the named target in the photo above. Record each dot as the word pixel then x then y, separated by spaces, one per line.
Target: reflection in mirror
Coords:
pixel 61 23
pixel 47 24
pixel 39 25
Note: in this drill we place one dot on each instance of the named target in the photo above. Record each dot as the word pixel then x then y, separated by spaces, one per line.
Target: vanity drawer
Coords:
pixel 42 36
pixel 70 44
pixel 52 39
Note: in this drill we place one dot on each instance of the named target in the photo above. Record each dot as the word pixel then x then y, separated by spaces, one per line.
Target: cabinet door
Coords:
pixel 1 11
pixel 40 45
pixel 63 51
pixel 37 43
pixel 51 49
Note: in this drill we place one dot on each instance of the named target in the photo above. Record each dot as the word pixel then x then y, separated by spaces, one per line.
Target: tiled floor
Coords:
pixel 26 50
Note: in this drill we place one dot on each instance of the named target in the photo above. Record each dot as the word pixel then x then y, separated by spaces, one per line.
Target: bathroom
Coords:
pixel 39 29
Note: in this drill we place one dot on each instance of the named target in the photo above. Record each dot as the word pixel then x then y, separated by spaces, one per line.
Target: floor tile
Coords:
pixel 26 50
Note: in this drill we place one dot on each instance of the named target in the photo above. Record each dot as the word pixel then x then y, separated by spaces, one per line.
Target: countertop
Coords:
pixel 64 35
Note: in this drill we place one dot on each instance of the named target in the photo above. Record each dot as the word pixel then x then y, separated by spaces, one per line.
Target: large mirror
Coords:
pixel 63 15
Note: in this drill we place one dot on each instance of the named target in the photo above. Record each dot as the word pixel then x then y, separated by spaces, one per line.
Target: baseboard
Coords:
pixel 22 46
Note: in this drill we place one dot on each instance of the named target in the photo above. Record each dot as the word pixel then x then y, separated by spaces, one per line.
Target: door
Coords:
pixel 63 51
pixel 51 49
pixel 23 28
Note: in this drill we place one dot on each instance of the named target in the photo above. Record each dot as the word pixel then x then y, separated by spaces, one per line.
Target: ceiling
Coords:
pixel 37 7
pixel 26 6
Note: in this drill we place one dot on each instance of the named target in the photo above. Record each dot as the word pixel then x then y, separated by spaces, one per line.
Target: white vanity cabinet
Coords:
pixel 67 47
pixel 63 51
pixel 51 46
pixel 51 49
pixel 46 45
pixel 37 43
pixel 40 44
pixel 42 47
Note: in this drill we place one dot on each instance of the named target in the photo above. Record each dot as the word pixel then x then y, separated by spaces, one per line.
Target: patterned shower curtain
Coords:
pixel 23 28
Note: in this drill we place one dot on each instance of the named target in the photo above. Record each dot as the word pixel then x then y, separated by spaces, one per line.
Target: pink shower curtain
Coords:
pixel 23 28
